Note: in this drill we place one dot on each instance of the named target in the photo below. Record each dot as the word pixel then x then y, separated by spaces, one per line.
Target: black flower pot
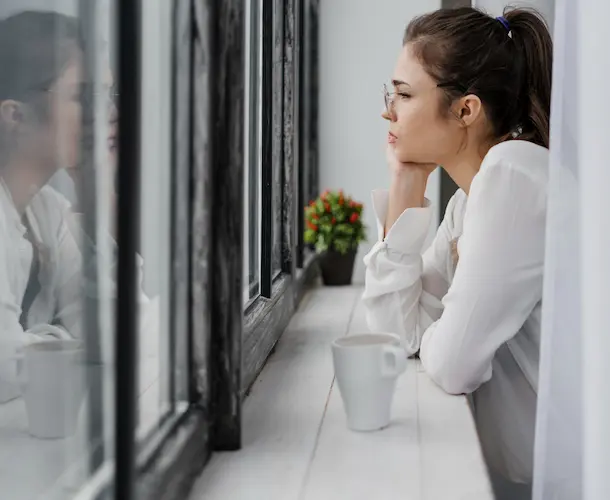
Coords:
pixel 336 268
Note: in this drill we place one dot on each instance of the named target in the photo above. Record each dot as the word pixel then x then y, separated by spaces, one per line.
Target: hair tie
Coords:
pixel 504 22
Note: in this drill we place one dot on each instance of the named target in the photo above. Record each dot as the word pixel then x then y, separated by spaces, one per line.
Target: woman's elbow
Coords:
pixel 452 379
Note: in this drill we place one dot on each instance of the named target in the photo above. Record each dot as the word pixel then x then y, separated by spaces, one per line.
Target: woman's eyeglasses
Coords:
pixel 389 97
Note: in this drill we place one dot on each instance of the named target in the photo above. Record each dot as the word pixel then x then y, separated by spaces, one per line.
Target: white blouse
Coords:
pixel 60 279
pixel 474 314
pixel 57 309
pixel 458 316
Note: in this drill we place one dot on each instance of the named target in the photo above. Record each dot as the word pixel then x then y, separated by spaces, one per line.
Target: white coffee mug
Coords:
pixel 366 368
pixel 53 385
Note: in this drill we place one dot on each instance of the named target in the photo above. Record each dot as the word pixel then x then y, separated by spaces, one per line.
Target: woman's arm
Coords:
pixel 498 281
pixel 403 289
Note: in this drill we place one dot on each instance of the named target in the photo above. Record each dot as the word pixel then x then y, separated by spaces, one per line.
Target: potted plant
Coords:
pixel 334 227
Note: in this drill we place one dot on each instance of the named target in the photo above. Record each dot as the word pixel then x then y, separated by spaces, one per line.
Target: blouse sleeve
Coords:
pixel 404 289
pixel 498 281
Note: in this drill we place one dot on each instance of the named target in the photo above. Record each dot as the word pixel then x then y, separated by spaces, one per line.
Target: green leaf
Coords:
pixel 310 236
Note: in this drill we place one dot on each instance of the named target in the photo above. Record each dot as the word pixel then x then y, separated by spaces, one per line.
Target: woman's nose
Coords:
pixel 386 115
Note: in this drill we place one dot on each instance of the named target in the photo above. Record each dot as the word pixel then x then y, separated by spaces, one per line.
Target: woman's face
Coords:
pixel 65 117
pixel 421 130
pixel 45 133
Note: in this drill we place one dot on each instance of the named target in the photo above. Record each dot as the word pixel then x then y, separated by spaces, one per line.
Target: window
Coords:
pixel 104 265
pixel 252 148
pixel 308 117
pixel 287 125
pixel 128 118
pixel 58 117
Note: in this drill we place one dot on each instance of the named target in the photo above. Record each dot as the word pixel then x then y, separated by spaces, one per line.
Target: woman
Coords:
pixel 470 93
pixel 40 129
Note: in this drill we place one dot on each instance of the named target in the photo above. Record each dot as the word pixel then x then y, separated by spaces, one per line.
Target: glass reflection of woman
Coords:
pixel 40 130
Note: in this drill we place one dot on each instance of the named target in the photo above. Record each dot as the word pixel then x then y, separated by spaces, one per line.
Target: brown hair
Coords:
pixel 35 48
pixel 468 52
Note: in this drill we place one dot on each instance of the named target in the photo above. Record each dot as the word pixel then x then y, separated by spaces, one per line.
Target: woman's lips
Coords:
pixel 391 138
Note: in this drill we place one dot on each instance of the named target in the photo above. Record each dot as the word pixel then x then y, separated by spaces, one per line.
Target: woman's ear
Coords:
pixel 11 113
pixel 468 109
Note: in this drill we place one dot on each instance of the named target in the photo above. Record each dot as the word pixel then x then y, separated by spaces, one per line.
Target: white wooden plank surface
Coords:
pixel 296 444
pixel 452 464
pixel 282 415
pixel 384 464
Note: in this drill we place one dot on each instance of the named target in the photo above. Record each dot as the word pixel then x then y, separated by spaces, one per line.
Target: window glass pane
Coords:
pixel 155 387
pixel 58 122
pixel 253 150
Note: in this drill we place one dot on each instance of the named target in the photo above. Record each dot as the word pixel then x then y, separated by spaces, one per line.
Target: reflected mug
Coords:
pixel 53 385
pixel 366 368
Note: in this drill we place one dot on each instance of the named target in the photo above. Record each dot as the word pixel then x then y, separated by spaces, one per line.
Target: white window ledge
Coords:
pixel 296 444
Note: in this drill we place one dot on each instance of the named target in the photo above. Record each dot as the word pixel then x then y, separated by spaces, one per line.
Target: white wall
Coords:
pixel 359 43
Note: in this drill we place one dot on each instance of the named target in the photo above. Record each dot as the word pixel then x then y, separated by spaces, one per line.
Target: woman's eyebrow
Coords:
pixel 397 83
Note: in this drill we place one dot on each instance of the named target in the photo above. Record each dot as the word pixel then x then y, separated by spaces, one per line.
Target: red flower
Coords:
pixel 334 221
pixel 354 217
pixel 312 226
pixel 324 194
pixel 352 203
pixel 312 203
pixel 341 200
pixel 327 206
pixel 315 217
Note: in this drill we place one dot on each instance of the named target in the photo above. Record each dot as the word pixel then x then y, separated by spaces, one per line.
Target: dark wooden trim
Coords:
pixel 129 17
pixel 170 470
pixel 290 187
pixel 178 461
pixel 277 107
pixel 201 191
pixel 182 160
pixel 313 38
pixel 267 151
pixel 300 110
pixel 226 237
pixel 266 319
pixel 291 153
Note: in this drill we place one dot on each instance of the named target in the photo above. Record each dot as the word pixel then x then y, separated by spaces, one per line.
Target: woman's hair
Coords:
pixel 507 63
pixel 35 49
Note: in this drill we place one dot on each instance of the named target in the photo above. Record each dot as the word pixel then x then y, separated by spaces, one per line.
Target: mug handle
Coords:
pixel 393 361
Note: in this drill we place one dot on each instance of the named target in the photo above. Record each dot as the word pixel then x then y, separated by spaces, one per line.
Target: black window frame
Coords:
pixel 206 100
pixel 288 173
pixel 207 228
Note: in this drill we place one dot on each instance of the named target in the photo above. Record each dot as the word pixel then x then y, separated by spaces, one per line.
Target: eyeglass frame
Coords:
pixel 389 101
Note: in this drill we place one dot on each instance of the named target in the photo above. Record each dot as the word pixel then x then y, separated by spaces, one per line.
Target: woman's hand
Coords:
pixel 397 167
pixel 407 188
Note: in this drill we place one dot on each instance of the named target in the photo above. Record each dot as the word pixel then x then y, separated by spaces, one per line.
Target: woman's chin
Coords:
pixel 409 157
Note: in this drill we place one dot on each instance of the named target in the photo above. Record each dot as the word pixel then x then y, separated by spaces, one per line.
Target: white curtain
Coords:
pixel 558 456
pixel 572 459
pixel 593 139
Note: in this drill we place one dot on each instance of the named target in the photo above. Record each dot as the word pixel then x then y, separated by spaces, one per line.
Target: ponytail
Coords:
pixel 534 47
